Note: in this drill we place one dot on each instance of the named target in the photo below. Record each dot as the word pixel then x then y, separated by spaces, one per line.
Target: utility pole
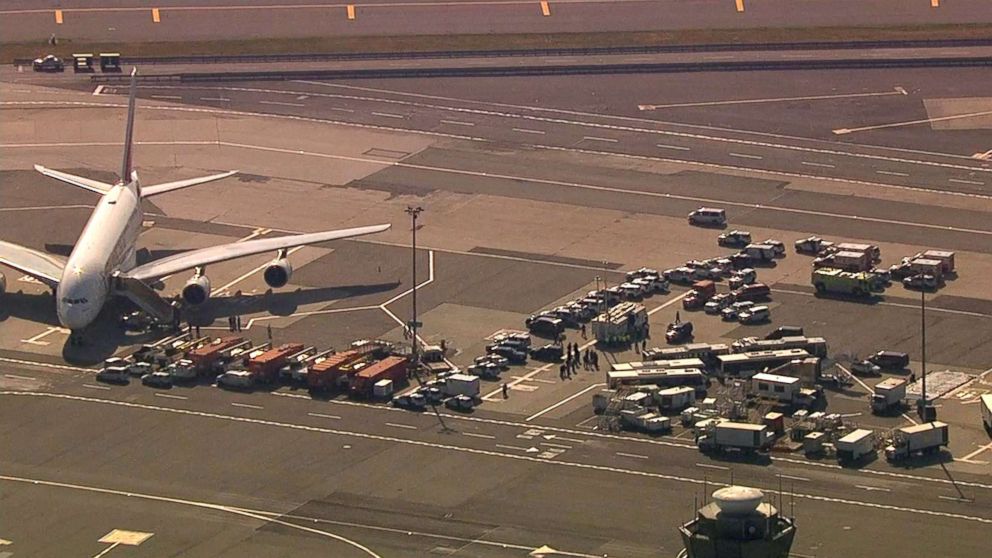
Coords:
pixel 413 325
pixel 923 409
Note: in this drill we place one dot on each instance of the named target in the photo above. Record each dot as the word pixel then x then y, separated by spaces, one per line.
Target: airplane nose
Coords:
pixel 74 318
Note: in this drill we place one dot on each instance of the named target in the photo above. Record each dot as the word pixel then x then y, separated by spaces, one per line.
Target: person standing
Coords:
pixel 506 391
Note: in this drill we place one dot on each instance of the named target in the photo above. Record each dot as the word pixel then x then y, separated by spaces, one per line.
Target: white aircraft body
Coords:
pixel 103 263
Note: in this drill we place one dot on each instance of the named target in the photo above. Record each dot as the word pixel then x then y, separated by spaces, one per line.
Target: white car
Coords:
pixel 777 245
pixel 718 303
pixel 731 312
pixel 743 277
pixel 921 281
pixel 754 315
pixel 680 275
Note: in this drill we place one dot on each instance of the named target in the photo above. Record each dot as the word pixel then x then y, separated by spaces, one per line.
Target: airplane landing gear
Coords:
pixel 76 339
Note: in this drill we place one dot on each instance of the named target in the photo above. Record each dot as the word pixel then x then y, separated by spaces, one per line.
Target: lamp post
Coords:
pixel 922 406
pixel 413 325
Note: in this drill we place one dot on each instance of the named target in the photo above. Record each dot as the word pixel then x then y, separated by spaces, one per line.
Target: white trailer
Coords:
pixel 673 400
pixel 874 252
pixel 462 384
pixel 946 259
pixel 735 436
pixel 986 405
pixel 926 438
pixel 855 445
pixel 851 261
pixel 383 389
pixel 646 421
pixel 888 395
pixel 772 386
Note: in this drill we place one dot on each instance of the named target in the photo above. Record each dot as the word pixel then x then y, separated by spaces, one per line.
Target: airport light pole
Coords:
pixel 922 409
pixel 413 325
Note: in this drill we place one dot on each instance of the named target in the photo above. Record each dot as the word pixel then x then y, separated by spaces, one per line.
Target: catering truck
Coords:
pixel 735 436
pixel 390 368
pixel 855 446
pixel 888 395
pixel 919 439
pixel 330 373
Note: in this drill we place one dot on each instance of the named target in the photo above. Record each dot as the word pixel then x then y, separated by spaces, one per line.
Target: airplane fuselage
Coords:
pixel 106 245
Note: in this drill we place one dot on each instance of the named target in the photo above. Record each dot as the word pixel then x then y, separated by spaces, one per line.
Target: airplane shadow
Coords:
pixel 105 336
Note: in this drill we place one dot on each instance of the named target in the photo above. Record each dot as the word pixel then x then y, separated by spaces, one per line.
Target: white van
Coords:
pixel 708 216
pixel 755 315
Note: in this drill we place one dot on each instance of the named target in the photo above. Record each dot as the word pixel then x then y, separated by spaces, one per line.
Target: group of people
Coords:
pixel 589 359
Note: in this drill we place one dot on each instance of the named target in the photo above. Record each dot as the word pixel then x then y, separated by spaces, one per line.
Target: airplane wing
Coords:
pixel 214 254
pixel 154 190
pixel 79 181
pixel 44 267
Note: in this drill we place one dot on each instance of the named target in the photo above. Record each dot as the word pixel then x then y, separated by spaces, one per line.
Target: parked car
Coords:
pixel 731 312
pixel 545 325
pixel 486 370
pixel 678 332
pixel 647 287
pixel 754 315
pixel 865 368
pixel 642 272
pixel 511 354
pixel 563 313
pixel 708 216
pixel 742 277
pixel 754 291
pixel 494 360
pixel 632 291
pixel 48 63
pixel 547 353
pixel 785 331
pixel 890 360
pixel 812 245
pixel 159 378
pixel 718 303
pixel 412 401
pixel 683 275
pixel 515 343
pixel 734 239
pixel 741 261
pixel 657 282
pixel 777 245
pixel 921 282
pixel 902 269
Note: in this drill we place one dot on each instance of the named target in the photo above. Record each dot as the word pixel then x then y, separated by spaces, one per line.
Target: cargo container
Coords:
pixel 888 395
pixel 383 389
pixel 601 399
pixel 855 446
pixel 264 368
pixel 780 388
pixel 986 407
pixel 735 436
pixel 205 358
pixel 392 368
pixel 330 373
pixel 619 324
pixel 462 384
pixel 920 439
pixel 673 400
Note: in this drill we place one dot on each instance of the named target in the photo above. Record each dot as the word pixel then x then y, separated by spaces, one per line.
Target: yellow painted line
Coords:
pixel 545 8
pixel 934 3
pixel 156 17
pixel 58 17
pixel 740 5
pixel 351 11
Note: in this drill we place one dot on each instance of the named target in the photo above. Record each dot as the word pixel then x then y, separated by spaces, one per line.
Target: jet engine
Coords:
pixel 197 289
pixel 278 272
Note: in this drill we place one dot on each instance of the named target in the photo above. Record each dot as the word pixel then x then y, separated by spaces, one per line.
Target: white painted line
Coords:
pixel 221 99
pixel 708 466
pixel 168 97
pixel 842 131
pixel 538 380
pixel 474 435
pixel 744 155
pixel 98 90
pixel 247 405
pixel 960 181
pixel 457 123
pixel 956 499
pixel 170 396
pixel 675 147
pixel 633 455
pixel 872 488
pixel 595 138
pixel 898 91
pixel 804 479
pixel 91 386
pixel 322 415
pixel 281 103
pixel 19 377
pixel 892 173
pixel 341 109
pixel 970 455
pixel 531 449
pixel 388 115
pixel 554 445
pixel 563 401
pixel 824 165
pixel 528 131
pixel 397 425
pixel 481 452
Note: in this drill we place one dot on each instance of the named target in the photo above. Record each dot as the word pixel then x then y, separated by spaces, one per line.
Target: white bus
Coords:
pixel 747 364
pixel 667 378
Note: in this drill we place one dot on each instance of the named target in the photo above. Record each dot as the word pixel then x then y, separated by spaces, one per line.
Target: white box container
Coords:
pixel 462 384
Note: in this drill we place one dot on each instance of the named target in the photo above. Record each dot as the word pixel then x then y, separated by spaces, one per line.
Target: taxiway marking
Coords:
pixel 740 5
pixel 962 181
pixel 91 386
pixel 170 396
pixel 633 455
pixel 675 147
pixel 388 115
pixel 596 138
pixel 897 91
pixel 475 435
pixel 398 425
pixel 156 16
pixel 322 415
pixel 168 97
pixel 221 99
pixel 545 8
pixel 351 11
pixel 281 103
pixel 812 164
pixel 708 466
pixel 977 451
pixel 97 90
pixel 528 131
pixel 844 131
pixel 892 173
pixel 247 406
pixel 871 488
pixel 457 123
pixel 19 377
pixel 745 155
pixel 563 401
pixel 58 17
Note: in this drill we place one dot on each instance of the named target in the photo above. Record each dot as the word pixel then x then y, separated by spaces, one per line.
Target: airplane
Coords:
pixel 103 262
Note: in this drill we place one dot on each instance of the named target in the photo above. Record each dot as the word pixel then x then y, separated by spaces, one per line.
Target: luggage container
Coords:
pixel 601 399
pixel 462 384
pixel 383 389
pixel 813 443
pixel 855 446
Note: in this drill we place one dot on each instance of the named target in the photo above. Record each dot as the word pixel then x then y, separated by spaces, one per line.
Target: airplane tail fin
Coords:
pixel 127 171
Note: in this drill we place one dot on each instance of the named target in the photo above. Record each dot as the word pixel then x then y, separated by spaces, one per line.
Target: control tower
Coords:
pixel 738 524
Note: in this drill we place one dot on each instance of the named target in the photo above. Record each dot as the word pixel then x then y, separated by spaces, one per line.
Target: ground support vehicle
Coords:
pixel 159 378
pixel 865 368
pixel 412 402
pixel 485 370
pixel 731 312
pixel 708 216
pixel 890 360
pixel 548 353
pixel 735 436
pixel 762 253
pixel 742 277
pixel 812 245
pixel 265 367
pixel 701 292
pixel 753 292
pixel 830 280
pixel 855 446
pixel 718 303
pixel 48 63
pixel 646 421
pixel 754 315
pixel 620 324
pixel 734 239
pixel 547 326
pixel 461 384
pixel 390 368
pixel 513 355
pixel 236 379
pixel 678 332
pixel 208 358
pixel 331 373
pixel 114 375
pixel 874 252
pixel 682 275
pixel 846 261
pixel 921 282
pixel 920 439
pixel 674 400
pixel 888 395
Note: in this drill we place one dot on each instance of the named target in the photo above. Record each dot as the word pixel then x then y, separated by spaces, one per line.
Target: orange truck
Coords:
pixel 264 368
pixel 390 368
pixel 206 357
pixel 327 374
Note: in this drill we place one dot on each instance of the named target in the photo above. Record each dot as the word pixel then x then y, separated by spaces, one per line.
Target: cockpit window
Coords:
pixel 68 300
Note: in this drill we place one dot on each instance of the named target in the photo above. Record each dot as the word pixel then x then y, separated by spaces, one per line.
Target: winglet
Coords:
pixel 129 130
